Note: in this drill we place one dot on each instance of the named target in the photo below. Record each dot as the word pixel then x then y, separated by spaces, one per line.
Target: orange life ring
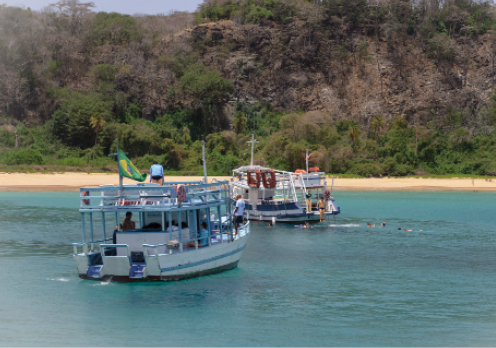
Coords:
pixel 313 170
pixel 327 194
pixel 301 171
pixel 268 183
pixel 86 201
pixel 253 177
pixel 181 193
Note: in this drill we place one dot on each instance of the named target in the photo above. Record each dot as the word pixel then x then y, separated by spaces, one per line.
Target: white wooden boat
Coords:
pixel 165 243
pixel 279 196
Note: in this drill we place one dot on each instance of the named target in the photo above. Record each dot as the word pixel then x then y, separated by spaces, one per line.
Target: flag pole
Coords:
pixel 119 165
pixel 204 160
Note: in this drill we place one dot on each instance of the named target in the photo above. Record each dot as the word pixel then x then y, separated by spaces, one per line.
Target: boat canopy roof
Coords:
pixel 246 168
pixel 153 197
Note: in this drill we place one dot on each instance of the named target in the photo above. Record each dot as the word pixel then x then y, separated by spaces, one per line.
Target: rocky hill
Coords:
pixel 355 70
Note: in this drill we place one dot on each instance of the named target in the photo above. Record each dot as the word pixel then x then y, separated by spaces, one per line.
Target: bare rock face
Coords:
pixel 295 67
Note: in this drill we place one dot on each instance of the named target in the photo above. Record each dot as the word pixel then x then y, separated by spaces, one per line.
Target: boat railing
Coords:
pixel 218 237
pixel 85 245
pixel 104 246
pixel 152 196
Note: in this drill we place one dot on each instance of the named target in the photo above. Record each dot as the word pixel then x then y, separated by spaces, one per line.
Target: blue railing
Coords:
pixel 151 197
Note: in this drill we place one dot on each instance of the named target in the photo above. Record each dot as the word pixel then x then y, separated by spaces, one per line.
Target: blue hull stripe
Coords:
pixel 203 261
pixel 276 207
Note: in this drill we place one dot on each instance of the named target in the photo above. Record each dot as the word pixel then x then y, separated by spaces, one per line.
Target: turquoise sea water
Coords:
pixel 338 285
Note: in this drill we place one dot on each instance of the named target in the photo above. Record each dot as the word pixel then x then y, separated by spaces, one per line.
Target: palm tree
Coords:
pixel 377 124
pixel 239 122
pixel 97 122
pixel 354 132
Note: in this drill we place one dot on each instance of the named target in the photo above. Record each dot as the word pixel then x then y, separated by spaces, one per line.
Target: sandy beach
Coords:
pixel 73 181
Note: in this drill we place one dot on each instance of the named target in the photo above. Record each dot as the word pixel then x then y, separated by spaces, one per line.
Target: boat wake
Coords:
pixel 59 279
pixel 344 225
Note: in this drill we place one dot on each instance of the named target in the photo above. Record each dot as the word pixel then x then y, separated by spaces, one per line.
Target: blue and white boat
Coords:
pixel 279 196
pixel 166 243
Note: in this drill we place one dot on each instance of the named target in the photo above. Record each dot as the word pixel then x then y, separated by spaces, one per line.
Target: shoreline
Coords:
pixel 67 182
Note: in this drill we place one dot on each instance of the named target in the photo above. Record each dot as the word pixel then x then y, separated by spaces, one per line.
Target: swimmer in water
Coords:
pixel 402 229
pixel 270 225
pixel 370 225
pixel 383 224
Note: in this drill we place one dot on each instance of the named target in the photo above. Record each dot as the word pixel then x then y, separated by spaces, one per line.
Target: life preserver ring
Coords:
pixel 86 201
pixel 181 193
pixel 253 177
pixel 327 194
pixel 268 178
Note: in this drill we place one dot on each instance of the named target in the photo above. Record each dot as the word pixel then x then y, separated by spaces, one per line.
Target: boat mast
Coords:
pixel 204 161
pixel 252 142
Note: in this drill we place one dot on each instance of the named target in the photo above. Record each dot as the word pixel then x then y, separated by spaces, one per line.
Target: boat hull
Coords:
pixel 311 218
pixel 216 258
pixel 166 278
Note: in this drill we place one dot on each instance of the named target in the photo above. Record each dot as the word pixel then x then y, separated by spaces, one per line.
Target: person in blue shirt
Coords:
pixel 156 173
pixel 203 235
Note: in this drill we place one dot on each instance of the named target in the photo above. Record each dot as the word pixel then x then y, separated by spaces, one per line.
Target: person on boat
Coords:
pixel 203 235
pixel 156 173
pixel 321 206
pixel 127 224
pixel 238 212
pixel 309 203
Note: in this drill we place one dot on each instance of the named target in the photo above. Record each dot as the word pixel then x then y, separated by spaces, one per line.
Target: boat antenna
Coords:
pixel 252 142
pixel 306 159
pixel 204 160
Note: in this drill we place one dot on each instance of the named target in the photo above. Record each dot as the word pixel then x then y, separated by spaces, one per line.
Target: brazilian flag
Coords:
pixel 127 169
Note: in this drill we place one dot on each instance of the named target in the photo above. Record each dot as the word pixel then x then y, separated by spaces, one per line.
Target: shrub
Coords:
pixel 25 156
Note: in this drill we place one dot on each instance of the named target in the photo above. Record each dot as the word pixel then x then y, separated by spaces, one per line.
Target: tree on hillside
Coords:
pixel 75 13
pixel 354 132
pixel 377 124
pixel 208 92
pixel 239 122
pixel 97 122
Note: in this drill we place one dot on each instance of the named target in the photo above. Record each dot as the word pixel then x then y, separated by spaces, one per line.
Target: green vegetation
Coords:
pixel 341 147
pixel 74 81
